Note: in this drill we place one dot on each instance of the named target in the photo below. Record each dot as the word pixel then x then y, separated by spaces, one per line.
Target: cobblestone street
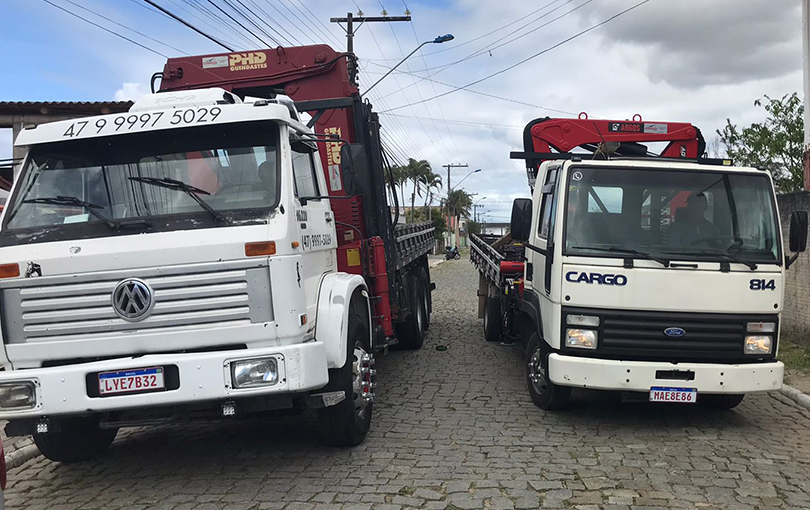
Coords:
pixel 453 429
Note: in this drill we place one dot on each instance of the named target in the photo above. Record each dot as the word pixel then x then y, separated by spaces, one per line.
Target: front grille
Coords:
pixel 186 297
pixel 639 336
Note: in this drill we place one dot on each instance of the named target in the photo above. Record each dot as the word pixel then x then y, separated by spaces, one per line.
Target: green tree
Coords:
pixel 436 218
pixel 775 145
pixel 473 227
pixel 416 172
pixel 433 181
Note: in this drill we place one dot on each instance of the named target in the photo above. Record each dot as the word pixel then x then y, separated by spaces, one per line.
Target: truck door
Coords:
pixel 543 260
pixel 314 219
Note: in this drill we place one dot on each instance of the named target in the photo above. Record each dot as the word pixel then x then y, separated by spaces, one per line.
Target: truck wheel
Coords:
pixel 545 394
pixel 493 325
pixel 411 332
pixel 425 277
pixel 722 402
pixel 78 439
pixel 347 423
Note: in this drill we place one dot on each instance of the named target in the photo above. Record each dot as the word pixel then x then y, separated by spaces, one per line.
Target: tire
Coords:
pixel 457 256
pixel 411 332
pixel 720 402
pixel 425 277
pixel 493 325
pixel 78 439
pixel 545 394
pixel 348 423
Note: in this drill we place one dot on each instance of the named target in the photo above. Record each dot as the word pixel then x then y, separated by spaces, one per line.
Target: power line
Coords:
pixel 252 20
pixel 542 52
pixel 456 46
pixel 105 29
pixel 246 29
pixel 186 23
pixel 206 13
pixel 320 23
pixel 124 26
pixel 488 49
pixel 486 94
pixel 460 122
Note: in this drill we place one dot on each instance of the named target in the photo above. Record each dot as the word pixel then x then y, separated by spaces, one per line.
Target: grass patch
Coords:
pixel 406 491
pixel 794 356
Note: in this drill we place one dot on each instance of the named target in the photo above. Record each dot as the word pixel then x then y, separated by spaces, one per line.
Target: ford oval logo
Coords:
pixel 675 332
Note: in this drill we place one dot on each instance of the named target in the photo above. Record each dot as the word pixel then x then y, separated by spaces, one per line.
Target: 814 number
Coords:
pixel 762 284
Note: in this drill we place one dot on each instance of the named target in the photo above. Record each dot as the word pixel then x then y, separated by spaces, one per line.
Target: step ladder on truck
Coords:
pixel 656 273
pixel 212 252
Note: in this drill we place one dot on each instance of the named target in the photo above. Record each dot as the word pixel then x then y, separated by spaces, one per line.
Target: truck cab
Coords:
pixel 173 260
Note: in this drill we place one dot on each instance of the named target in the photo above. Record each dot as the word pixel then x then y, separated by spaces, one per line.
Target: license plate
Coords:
pixel 131 381
pixel 677 395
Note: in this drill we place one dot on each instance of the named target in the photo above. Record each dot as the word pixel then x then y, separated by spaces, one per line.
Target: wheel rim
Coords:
pixel 363 380
pixel 537 373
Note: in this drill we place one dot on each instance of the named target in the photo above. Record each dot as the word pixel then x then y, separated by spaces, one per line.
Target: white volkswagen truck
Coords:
pixel 659 276
pixel 181 260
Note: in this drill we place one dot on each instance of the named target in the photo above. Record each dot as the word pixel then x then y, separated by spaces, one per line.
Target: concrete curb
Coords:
pixel 795 395
pixel 436 263
pixel 21 455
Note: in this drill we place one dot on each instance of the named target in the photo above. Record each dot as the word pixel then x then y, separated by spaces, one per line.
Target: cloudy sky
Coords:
pixel 687 60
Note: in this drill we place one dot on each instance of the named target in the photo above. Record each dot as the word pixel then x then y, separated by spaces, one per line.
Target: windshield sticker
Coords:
pixel 577 176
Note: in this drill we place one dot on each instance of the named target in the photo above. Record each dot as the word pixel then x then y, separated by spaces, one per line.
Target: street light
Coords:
pixel 469 174
pixel 438 40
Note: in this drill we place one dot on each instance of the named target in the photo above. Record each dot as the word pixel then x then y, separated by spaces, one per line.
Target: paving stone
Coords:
pixel 452 429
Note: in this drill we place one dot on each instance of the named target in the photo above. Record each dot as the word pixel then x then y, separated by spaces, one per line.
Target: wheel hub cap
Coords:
pixel 537 373
pixel 363 387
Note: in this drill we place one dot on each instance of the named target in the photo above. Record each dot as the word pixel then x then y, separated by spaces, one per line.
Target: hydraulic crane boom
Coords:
pixel 549 138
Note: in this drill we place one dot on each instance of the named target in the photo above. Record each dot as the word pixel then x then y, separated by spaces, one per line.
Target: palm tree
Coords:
pixel 416 172
pixel 458 204
pixel 432 181
pixel 400 178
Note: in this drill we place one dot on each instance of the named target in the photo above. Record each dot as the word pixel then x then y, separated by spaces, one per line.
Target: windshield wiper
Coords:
pixel 641 254
pixel 65 200
pixel 186 188
pixel 724 256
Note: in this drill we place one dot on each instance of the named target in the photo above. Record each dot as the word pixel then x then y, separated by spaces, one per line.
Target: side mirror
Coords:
pixel 355 168
pixel 521 219
pixel 798 231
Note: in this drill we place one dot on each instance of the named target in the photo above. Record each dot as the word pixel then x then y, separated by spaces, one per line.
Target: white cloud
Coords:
pixel 131 91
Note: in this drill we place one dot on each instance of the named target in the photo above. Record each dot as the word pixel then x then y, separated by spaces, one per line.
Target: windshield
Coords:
pixel 671 214
pixel 206 175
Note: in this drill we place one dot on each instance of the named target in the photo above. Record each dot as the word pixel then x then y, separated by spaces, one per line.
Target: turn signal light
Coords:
pixel 260 249
pixel 9 270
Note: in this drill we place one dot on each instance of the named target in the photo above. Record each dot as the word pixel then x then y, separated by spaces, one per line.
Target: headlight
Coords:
pixel 250 373
pixel 18 395
pixel 582 320
pixel 761 327
pixel 580 338
pixel 758 344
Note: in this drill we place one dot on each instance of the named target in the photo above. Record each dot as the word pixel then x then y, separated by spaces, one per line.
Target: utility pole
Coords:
pixel 350 30
pixel 806 59
pixel 449 191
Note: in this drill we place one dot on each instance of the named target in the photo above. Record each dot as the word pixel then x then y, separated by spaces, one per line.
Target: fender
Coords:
pixel 332 320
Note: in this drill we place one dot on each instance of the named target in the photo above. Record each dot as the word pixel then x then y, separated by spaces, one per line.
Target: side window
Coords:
pixel 306 184
pixel 547 218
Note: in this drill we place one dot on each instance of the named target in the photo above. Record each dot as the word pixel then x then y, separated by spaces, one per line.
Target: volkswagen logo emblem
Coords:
pixel 675 332
pixel 132 299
